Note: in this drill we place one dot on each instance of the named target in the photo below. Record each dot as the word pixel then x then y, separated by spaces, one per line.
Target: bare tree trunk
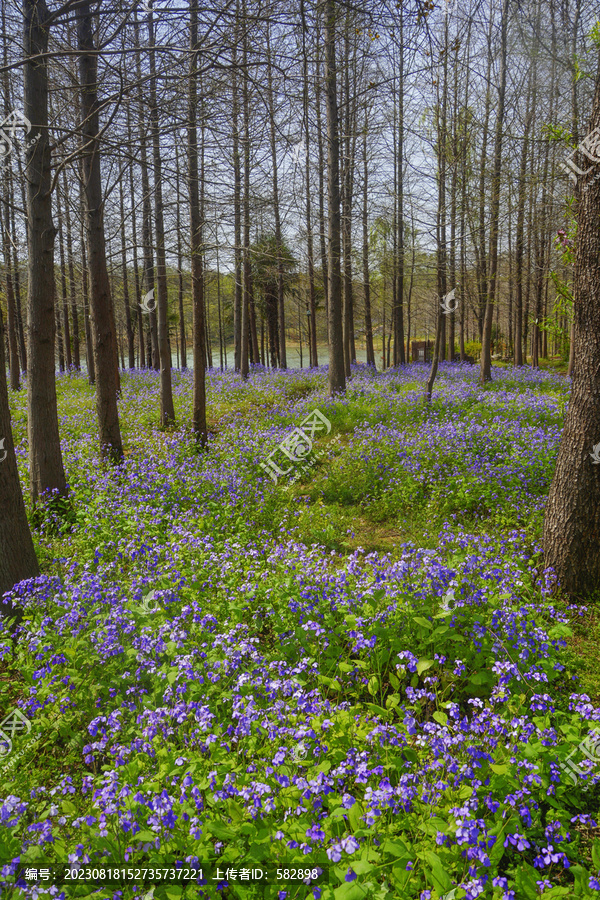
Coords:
pixel 322 229
pixel 104 333
pixel 12 301
pixel 346 172
pixel 63 280
pixel 89 349
pixel 17 555
pixel 182 337
pixel 246 253
pixel 15 377
pixel 365 226
pixel 59 339
pixel 399 358
pixel 482 268
pixel 442 247
pixel 572 522
pixel 167 410
pixel 148 280
pixel 486 361
pixel 128 324
pixel 46 470
pixel 312 321
pixel 71 266
pixel 17 283
pixel 337 378
pixel 520 239
pixel 136 273
pixel 280 292
pixel 196 239
pixel 572 56
pixel 238 311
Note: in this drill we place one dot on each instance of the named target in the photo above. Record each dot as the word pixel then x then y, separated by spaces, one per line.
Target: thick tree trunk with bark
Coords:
pixel 46 470
pixel 102 323
pixel 17 555
pixel 572 522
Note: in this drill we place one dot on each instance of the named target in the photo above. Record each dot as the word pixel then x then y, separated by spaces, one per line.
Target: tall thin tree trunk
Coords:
pixel 399 314
pixel 238 310
pixel 13 357
pixel 182 337
pixel 136 272
pixel 128 324
pixel 167 410
pixel 246 325
pixel 196 239
pixel 103 327
pixel 337 377
pixel 322 228
pixel 486 361
pixel 280 291
pixel 312 330
pixel 63 281
pixel 89 349
pixel 71 266
pixel 520 231
pixel 46 470
pixel 365 226
pixel 148 280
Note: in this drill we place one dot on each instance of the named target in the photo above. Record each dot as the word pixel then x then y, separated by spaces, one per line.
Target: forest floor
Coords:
pixel 361 669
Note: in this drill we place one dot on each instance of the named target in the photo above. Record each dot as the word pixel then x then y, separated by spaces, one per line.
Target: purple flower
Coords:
pixel 349 844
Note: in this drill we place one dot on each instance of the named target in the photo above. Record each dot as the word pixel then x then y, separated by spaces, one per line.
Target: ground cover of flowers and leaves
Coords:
pixel 366 669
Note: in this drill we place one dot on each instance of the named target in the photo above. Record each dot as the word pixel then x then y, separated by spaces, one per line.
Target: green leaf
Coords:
pixel 174 892
pixel 145 836
pixel 596 854
pixel 440 717
pixel 373 685
pixel 424 622
pixel 499 770
pixel 439 876
pixel 394 681
pixel 424 664
pixel 350 890
pixel 526 884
